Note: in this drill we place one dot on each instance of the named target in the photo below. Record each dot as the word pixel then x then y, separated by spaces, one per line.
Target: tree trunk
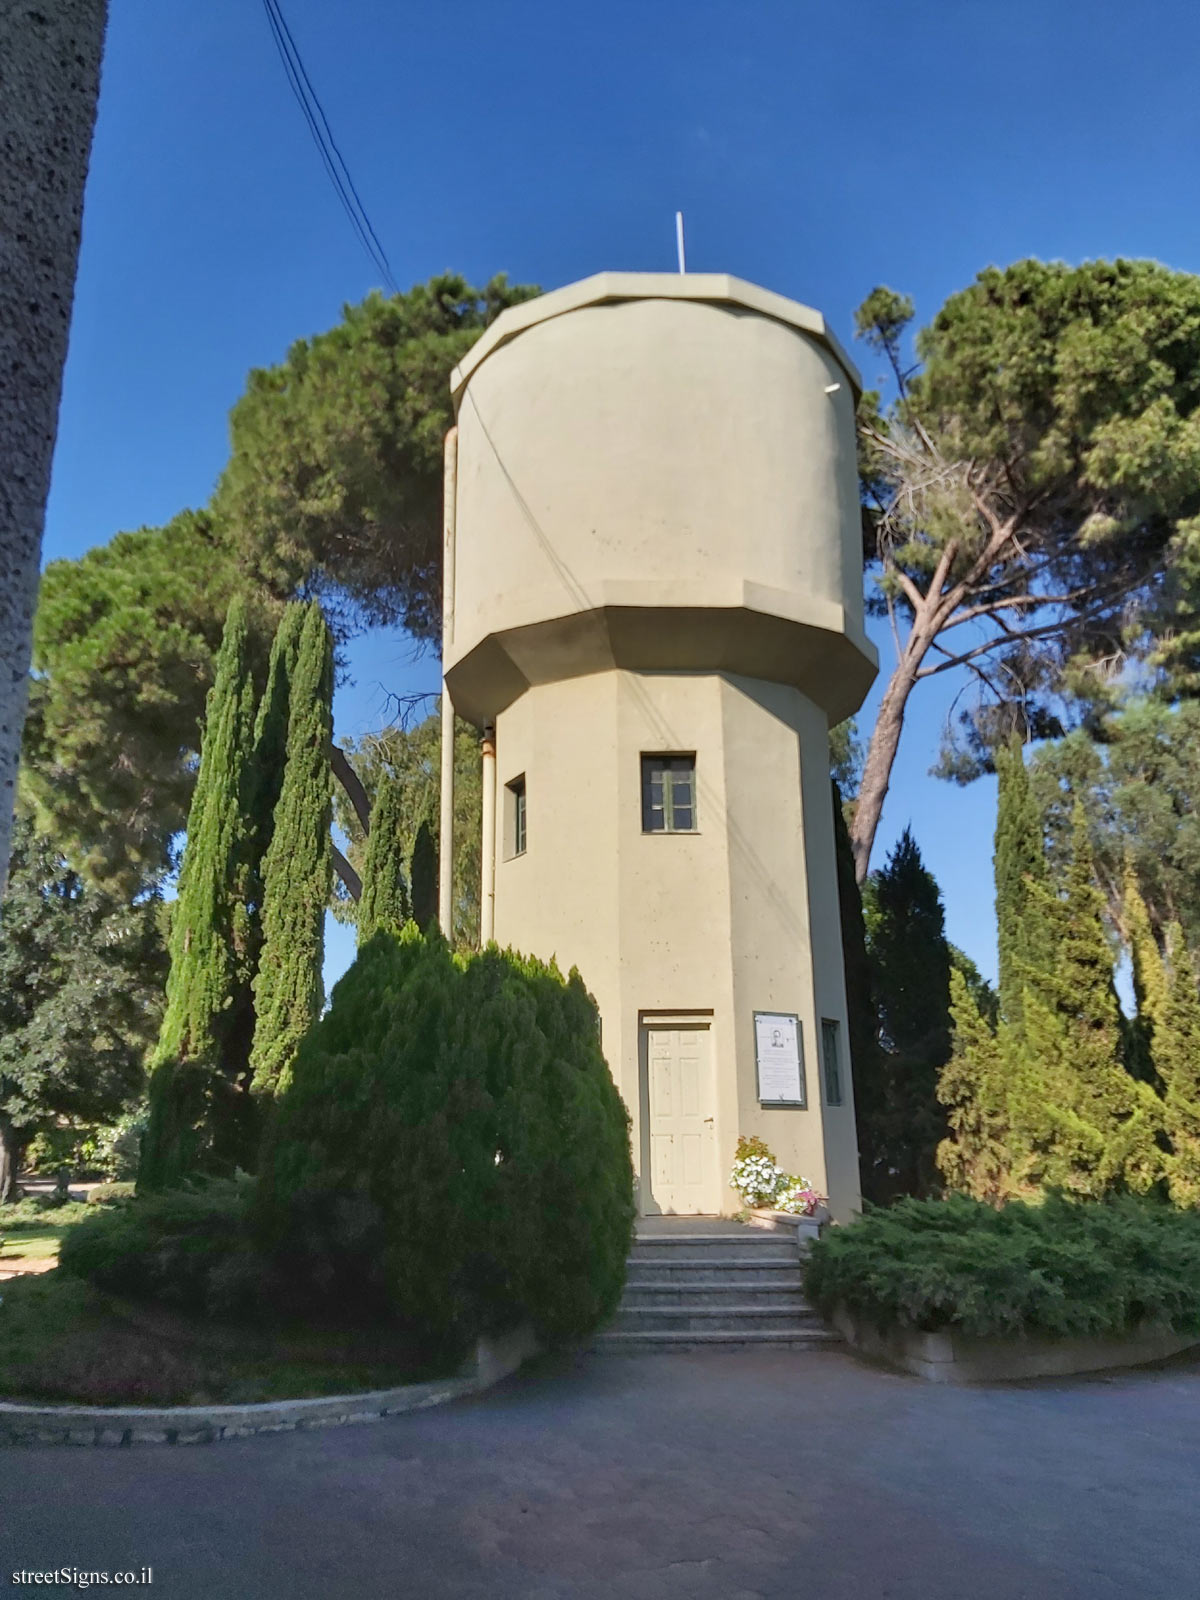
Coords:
pixel 10 1161
pixel 49 84
pixel 352 784
pixel 350 878
pixel 881 757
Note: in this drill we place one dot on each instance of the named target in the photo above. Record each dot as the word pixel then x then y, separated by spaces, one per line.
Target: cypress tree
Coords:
pixel 296 869
pixel 910 962
pixel 1149 978
pixel 1083 1123
pixel 384 902
pixel 424 878
pixel 1177 1060
pixel 1018 860
pixel 973 1086
pixel 199 1113
pixel 862 1028
pixel 271 726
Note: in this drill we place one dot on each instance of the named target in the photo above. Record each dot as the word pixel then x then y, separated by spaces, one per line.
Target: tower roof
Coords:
pixel 606 288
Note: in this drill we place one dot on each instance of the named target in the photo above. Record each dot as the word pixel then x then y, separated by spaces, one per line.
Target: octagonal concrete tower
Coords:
pixel 654 609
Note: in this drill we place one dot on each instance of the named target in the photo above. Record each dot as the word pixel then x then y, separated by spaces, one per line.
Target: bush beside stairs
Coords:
pixel 720 1287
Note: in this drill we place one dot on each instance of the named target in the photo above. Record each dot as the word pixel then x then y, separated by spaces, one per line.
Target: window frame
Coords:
pixel 831 1028
pixel 516 817
pixel 669 761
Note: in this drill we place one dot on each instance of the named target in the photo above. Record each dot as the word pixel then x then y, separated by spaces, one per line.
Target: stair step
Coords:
pixel 720 1247
pixel 710 1319
pixel 713 1294
pixel 709 1272
pixel 618 1343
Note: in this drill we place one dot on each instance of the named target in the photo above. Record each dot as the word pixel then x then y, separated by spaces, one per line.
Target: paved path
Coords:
pixel 715 1476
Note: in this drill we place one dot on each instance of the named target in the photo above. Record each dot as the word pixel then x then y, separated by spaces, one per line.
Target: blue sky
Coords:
pixel 818 150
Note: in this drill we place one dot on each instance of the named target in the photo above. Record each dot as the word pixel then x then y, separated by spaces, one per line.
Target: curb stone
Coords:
pixel 118 1426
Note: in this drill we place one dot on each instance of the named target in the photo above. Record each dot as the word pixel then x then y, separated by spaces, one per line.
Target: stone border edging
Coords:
pixel 127 1425
pixel 949 1357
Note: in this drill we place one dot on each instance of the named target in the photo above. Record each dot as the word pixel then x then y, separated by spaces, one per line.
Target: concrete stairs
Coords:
pixel 732 1287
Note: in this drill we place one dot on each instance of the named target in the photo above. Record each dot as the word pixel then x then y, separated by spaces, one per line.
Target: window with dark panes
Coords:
pixel 831 1054
pixel 515 822
pixel 669 794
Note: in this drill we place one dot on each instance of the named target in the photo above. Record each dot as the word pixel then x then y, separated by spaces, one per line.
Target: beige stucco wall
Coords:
pixel 657 548
pixel 737 917
pixel 657 482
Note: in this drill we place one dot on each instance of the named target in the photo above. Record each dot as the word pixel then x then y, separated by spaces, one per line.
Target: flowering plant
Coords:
pixel 762 1182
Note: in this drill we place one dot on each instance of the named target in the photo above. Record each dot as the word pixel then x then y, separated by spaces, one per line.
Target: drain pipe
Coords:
pixel 446 825
pixel 487 885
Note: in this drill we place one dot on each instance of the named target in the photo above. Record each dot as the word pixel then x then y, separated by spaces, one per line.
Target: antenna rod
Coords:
pixel 679 240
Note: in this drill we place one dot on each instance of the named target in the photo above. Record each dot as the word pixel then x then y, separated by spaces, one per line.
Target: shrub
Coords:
pixel 187 1248
pixel 111 1194
pixel 1066 1268
pixel 452 1152
pixel 119 1147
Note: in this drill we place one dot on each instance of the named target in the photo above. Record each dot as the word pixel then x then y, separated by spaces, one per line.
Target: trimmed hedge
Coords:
pixel 452 1151
pixel 1066 1268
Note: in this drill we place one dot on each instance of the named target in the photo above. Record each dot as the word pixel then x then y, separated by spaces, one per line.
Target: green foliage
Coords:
pixel 451 1152
pixel 1149 979
pixel 1032 496
pixel 111 1194
pixel 976 1158
pixel 296 868
pixel 846 757
pixel 1081 1123
pixel 424 873
pixel 412 758
pixel 200 1119
pixel 910 962
pixel 1176 1047
pixel 866 1060
pixel 80 997
pixel 336 468
pixel 1064 1269
pixel 188 1248
pixel 1018 861
pixel 384 902
pixel 1139 784
pixel 125 641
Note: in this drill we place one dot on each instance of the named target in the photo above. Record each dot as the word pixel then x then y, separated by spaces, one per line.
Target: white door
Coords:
pixel 683 1165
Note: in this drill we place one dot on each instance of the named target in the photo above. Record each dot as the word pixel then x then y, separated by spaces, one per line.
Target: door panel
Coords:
pixel 682 1121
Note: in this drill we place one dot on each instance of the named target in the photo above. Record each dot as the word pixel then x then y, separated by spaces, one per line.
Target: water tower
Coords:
pixel 654 611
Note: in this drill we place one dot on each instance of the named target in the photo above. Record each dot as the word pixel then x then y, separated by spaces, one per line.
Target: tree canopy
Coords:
pixel 333 490
pixel 1035 477
pixel 81 978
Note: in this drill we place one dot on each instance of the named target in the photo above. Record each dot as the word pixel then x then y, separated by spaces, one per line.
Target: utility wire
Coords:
pixel 331 157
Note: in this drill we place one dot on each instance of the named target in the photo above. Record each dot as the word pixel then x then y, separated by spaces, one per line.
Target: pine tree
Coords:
pixel 296 870
pixel 1177 1060
pixel 976 1159
pixel 200 1119
pixel 424 878
pixel 911 976
pixel 1019 859
pixel 384 902
pixel 1081 1122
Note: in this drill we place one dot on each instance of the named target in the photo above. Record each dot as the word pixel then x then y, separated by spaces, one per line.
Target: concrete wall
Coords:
pixel 657 482
pixel 737 917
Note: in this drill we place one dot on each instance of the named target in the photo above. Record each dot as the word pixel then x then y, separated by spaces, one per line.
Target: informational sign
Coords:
pixel 779 1047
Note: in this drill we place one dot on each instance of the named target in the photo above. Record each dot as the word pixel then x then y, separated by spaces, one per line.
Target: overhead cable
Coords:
pixel 331 157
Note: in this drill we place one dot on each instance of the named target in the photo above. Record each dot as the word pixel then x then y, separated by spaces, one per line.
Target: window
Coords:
pixel 832 1060
pixel 515 824
pixel 669 794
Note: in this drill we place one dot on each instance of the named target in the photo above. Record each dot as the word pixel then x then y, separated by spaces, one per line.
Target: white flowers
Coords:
pixel 762 1183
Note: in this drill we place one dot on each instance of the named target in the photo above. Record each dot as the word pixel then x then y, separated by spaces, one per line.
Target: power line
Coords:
pixel 331 157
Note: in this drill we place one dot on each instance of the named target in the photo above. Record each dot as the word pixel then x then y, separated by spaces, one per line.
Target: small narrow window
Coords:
pixel 515 823
pixel 669 794
pixel 832 1059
